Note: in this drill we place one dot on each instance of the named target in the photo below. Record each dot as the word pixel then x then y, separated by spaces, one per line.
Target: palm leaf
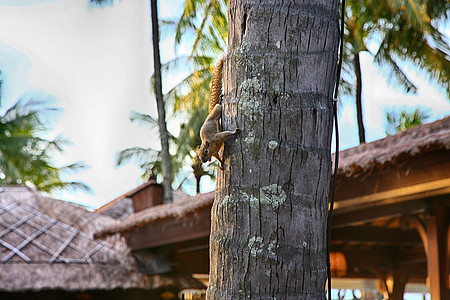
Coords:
pixel 69 185
pixel 74 167
pixel 139 154
pixel 396 77
pixel 143 119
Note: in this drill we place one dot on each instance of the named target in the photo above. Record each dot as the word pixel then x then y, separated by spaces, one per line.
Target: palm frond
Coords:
pixel 139 154
pixel 144 119
pixel 396 77
pixel 417 16
pixel 67 185
pixel 172 66
pixel 74 167
pixel 187 20
pixel 100 3
pixel 199 35
pixel 181 94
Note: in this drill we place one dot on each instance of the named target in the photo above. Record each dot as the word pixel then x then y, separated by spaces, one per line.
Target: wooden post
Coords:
pixel 393 280
pixel 400 280
pixel 437 258
pixel 434 233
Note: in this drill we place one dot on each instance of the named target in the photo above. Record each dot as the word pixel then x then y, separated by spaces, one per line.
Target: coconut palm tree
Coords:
pixel 166 161
pixel 407 32
pixel 25 155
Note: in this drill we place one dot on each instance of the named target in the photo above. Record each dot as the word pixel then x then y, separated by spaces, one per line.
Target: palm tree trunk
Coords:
pixel 268 231
pixel 198 172
pixel 166 159
pixel 359 113
pixel 197 181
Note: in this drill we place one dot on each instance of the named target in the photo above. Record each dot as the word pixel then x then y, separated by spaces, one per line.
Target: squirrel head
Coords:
pixel 205 152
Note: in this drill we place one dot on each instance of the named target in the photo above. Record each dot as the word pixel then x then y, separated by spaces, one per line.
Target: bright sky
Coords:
pixel 97 63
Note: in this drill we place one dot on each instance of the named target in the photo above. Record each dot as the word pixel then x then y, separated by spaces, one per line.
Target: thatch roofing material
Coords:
pixel 395 148
pixel 127 195
pixel 122 206
pixel 68 213
pixel 22 277
pixel 24 230
pixel 39 252
pixel 118 210
pixel 176 210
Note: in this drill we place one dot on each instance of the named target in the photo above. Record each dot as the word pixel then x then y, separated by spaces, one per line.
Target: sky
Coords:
pixel 95 64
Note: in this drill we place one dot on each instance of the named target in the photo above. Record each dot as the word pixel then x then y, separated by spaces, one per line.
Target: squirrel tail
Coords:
pixel 216 85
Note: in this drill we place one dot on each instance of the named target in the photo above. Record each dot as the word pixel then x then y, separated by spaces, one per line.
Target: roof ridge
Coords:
pixel 414 141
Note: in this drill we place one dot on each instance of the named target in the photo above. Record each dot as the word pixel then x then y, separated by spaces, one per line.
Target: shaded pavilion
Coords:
pixel 393 209
pixel 391 220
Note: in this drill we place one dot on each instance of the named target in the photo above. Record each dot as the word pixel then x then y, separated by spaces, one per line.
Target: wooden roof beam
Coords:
pixel 170 231
pixel 377 212
pixel 379 235
pixel 401 194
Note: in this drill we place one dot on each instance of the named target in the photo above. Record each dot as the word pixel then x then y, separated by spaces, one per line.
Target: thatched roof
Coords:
pixel 122 206
pixel 41 252
pixel 186 205
pixel 395 148
pixel 117 209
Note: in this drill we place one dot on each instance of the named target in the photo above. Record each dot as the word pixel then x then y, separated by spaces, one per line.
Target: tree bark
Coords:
pixel 359 114
pixel 268 235
pixel 166 163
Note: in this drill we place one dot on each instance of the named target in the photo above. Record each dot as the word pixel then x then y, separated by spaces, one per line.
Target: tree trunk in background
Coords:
pixel 198 173
pixel 268 234
pixel 359 114
pixel 166 163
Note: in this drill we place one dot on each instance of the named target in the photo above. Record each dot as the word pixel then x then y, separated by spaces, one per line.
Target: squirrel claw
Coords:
pixel 220 161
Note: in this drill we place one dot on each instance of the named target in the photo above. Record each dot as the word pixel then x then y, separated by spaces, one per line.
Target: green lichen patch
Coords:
pixel 272 248
pixel 254 202
pixel 255 245
pixel 247 91
pixel 241 53
pixel 273 144
pixel 273 195
pixel 250 139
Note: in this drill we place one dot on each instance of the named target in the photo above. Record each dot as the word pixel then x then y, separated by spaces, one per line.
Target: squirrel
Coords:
pixel 211 132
